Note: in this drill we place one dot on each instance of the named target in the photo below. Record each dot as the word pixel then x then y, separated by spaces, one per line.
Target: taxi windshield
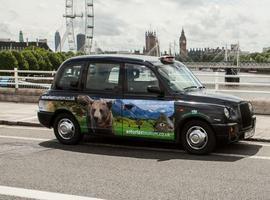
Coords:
pixel 178 77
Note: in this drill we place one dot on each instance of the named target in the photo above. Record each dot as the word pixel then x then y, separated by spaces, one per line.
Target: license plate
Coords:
pixel 250 133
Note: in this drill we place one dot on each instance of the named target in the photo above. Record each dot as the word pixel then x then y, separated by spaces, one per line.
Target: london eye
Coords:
pixel 79 19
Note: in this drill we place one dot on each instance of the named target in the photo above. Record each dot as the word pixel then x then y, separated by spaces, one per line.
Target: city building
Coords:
pixel 57 41
pixel 80 42
pixel 183 45
pixel 7 44
pixel 206 54
pixel 215 54
pixel 21 37
pixel 5 40
pixel 151 44
pixel 118 52
pixel 42 41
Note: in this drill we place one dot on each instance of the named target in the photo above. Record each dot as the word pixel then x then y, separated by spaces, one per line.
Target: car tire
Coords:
pixel 67 129
pixel 198 137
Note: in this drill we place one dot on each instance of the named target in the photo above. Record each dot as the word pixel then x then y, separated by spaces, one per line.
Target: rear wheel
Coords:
pixel 67 129
pixel 198 138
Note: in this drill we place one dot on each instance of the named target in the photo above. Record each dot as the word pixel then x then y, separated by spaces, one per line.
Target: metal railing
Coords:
pixel 213 80
pixel 225 65
pixel 252 83
pixel 26 79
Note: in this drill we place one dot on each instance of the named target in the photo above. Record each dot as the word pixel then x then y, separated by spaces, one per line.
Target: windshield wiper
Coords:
pixel 190 87
pixel 193 87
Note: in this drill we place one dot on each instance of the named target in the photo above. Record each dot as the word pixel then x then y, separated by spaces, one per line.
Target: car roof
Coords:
pixel 120 57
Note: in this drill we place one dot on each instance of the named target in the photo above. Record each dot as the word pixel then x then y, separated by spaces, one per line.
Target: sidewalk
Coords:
pixel 18 114
pixel 26 115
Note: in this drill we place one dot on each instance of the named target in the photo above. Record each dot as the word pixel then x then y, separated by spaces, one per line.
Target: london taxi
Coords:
pixel 141 97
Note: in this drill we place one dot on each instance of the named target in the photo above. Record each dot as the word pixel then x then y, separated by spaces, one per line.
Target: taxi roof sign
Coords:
pixel 167 59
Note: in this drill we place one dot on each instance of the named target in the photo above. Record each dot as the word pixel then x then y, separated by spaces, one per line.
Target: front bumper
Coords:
pixel 233 132
pixel 45 118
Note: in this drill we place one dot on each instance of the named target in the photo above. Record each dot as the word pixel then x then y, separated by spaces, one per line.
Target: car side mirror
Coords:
pixel 154 90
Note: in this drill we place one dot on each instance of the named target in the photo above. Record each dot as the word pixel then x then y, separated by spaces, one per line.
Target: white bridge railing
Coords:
pixel 26 79
pixel 249 82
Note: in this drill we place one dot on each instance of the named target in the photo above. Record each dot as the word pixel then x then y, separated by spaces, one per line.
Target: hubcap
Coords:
pixel 66 129
pixel 197 137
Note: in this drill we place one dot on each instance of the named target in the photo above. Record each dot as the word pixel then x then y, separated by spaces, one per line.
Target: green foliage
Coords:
pixel 34 58
pixel 80 53
pixel 7 60
pixel 22 63
pixel 256 57
pixel 42 57
pixel 62 56
pixel 30 59
pixel 55 60
pixel 69 54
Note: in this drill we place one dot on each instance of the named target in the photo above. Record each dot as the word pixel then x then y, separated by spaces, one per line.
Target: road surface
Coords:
pixel 33 165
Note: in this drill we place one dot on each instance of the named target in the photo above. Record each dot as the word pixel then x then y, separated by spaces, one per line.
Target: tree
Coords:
pixel 7 60
pixel 34 58
pixel 55 59
pixel 259 58
pixel 69 54
pixel 43 59
pixel 80 53
pixel 31 59
pixel 62 56
pixel 22 63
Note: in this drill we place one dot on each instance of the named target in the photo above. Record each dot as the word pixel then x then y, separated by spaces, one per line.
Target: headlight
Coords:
pixel 250 107
pixel 227 113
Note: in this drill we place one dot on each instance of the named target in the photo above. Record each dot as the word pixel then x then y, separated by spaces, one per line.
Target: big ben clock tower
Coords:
pixel 183 45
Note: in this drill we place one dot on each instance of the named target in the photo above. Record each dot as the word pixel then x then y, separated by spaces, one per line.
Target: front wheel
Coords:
pixel 67 129
pixel 198 138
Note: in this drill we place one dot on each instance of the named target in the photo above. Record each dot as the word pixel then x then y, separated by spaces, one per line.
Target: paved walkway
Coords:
pixel 18 112
pixel 26 114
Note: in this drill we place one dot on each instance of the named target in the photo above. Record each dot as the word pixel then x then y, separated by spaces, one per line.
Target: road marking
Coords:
pixel 144 148
pixel 264 144
pixel 25 128
pixel 181 151
pixel 24 138
pixel 41 195
pixel 46 129
pixel 242 156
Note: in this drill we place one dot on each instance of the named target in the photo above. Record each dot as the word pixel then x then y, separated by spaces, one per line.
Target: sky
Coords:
pixel 121 24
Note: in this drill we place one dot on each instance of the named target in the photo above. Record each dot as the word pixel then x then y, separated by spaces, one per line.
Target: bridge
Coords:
pixel 224 65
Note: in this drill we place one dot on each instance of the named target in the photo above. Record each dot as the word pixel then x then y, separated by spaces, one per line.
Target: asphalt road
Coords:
pixel 31 159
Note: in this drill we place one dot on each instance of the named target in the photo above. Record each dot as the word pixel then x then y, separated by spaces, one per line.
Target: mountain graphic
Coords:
pixel 133 111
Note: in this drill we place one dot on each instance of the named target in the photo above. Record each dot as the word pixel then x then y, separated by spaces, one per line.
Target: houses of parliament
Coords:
pixel 152 48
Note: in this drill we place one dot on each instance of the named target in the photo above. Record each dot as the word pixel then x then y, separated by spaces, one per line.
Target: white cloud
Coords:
pixel 5 30
pixel 120 24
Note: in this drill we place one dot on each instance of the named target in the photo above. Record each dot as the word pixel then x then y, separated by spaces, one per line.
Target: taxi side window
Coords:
pixel 70 77
pixel 102 76
pixel 139 77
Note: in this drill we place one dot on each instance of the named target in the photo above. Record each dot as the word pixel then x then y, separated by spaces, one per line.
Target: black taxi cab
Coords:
pixel 141 97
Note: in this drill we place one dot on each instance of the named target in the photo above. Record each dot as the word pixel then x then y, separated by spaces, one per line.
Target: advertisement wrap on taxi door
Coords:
pixel 136 118
pixel 148 118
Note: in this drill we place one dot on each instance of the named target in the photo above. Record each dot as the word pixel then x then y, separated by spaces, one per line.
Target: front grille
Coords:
pixel 246 115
